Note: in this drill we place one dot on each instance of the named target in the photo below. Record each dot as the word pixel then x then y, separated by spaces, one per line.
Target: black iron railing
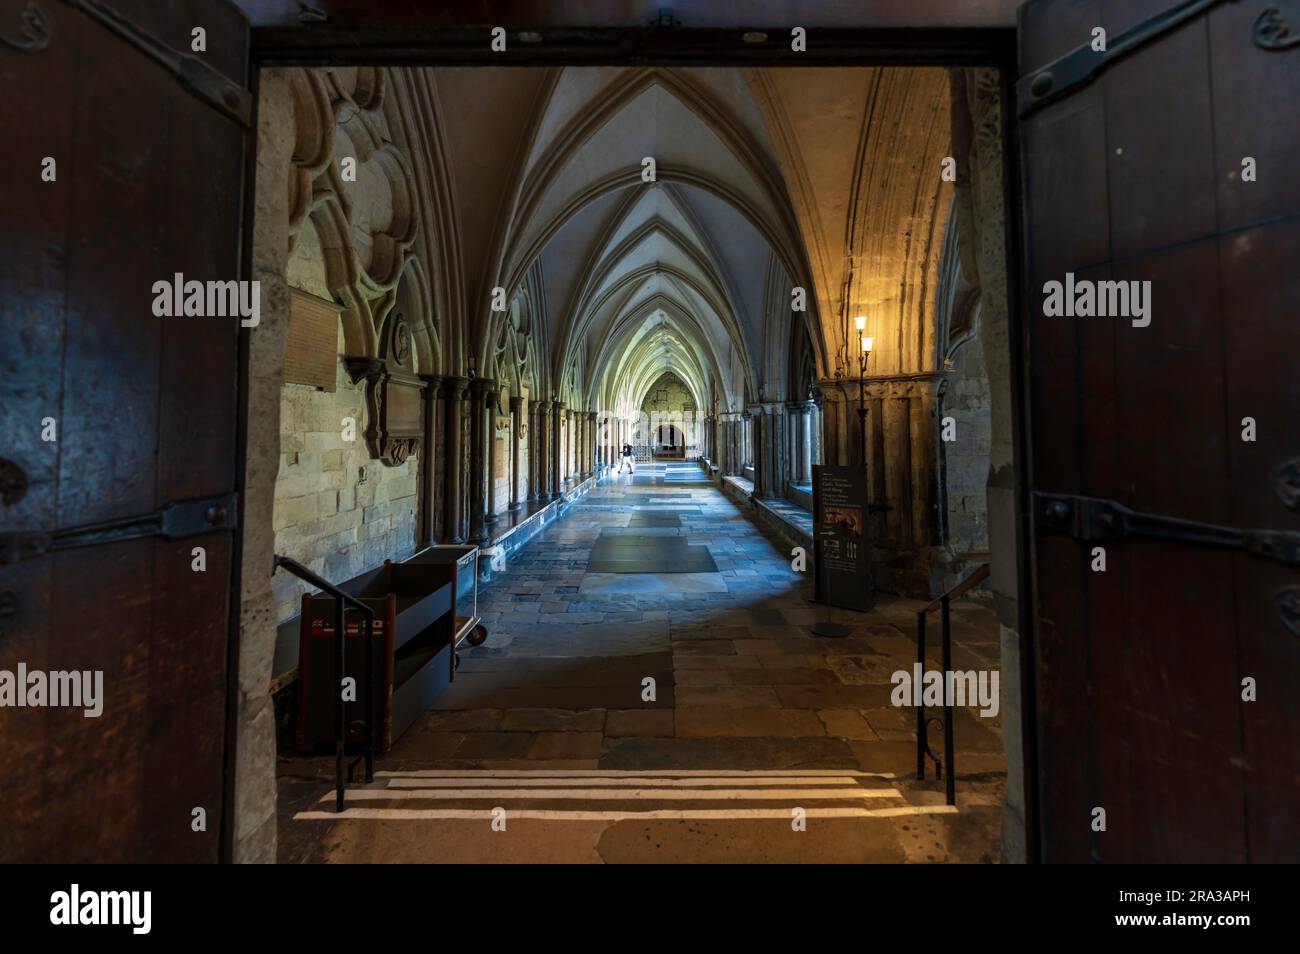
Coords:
pixel 344 602
pixel 943 769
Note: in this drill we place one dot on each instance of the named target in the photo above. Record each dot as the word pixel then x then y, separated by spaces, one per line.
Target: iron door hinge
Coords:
pixel 1093 519
pixel 1082 64
pixel 176 521
pixel 199 79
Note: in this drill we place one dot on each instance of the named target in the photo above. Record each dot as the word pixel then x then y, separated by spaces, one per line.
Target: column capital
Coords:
pixel 516 402
pixel 482 386
pixel 454 387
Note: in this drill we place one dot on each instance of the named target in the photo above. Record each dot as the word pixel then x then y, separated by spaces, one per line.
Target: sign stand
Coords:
pixel 828 627
pixel 840 522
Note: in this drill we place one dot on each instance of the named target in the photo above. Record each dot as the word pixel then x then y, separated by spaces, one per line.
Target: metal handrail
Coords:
pixel 340 665
pixel 922 728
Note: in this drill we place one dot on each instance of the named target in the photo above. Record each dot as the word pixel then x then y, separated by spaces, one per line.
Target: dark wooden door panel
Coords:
pixel 1255 120
pixel 149 184
pixel 1136 177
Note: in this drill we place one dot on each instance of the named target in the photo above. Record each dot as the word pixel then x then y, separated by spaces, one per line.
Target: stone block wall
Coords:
pixel 501 473
pixel 966 459
pixel 337 510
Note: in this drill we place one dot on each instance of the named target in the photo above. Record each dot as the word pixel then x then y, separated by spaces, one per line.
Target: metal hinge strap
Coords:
pixel 1093 519
pixel 1081 65
pixel 194 75
pixel 175 521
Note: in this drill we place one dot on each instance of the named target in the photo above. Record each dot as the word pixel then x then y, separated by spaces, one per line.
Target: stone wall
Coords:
pixel 337 510
pixel 501 473
pixel 966 459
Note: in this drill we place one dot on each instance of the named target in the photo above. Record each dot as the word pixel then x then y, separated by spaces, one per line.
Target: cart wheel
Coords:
pixel 477 637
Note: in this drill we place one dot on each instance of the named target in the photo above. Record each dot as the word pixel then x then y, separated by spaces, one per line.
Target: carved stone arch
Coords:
pixel 342 275
pixel 367 228
pixel 803 363
pixel 415 125
pixel 313 144
pixel 412 300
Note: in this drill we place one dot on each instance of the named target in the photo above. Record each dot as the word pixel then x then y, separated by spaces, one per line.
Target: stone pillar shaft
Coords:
pixel 517 430
pixel 557 477
pixel 482 438
pixel 454 398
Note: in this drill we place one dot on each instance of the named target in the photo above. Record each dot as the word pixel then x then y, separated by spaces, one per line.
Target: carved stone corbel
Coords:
pixel 394 396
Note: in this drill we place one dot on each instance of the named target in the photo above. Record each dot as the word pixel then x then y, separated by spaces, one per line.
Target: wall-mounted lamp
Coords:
pixel 861 322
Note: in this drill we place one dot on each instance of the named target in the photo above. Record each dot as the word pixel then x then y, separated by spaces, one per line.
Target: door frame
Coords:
pixel 332 43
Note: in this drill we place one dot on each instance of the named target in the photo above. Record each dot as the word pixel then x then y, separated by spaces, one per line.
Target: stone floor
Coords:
pixel 750 720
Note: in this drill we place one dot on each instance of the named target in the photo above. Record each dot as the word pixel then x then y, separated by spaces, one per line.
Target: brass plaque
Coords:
pixel 311 352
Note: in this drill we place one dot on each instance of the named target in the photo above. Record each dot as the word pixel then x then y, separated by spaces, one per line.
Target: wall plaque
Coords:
pixel 311 351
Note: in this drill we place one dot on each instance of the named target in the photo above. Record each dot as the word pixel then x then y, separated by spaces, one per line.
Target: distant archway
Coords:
pixel 670 442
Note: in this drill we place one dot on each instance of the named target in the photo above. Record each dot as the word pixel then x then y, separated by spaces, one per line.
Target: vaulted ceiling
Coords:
pixel 763 180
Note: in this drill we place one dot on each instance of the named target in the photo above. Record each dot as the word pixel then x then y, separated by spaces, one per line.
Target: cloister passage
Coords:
pixel 686 262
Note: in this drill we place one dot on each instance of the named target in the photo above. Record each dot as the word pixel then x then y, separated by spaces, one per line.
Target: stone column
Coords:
pixel 747 440
pixel 777 452
pixel 801 452
pixel 588 442
pixel 493 410
pixel 429 458
pixel 815 442
pixel 566 466
pixel 544 439
pixel 898 468
pixel 532 451
pixel 453 391
pixel 591 442
pixel 581 467
pixel 579 444
pixel 923 422
pixel 517 430
pixel 537 441
pixel 482 434
pixel 557 477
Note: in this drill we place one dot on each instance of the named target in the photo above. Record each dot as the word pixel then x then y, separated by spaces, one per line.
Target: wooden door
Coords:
pixel 1135 169
pixel 97 559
